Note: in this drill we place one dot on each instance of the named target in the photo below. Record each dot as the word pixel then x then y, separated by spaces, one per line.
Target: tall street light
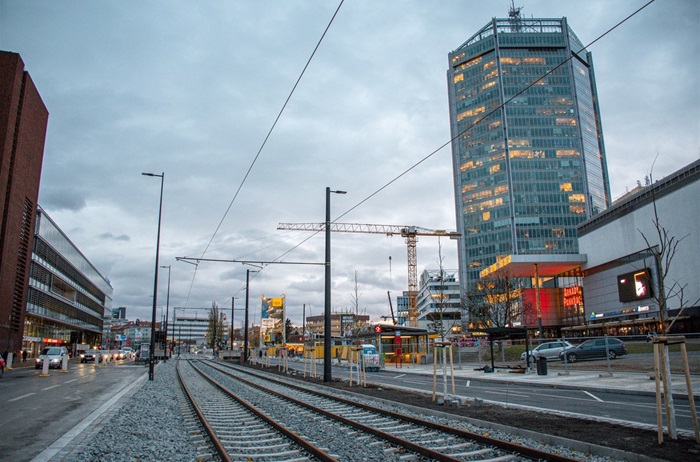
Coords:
pixel 167 311
pixel 151 359
pixel 327 375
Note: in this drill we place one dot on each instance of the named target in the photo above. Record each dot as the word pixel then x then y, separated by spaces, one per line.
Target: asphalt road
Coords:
pixel 610 405
pixel 35 411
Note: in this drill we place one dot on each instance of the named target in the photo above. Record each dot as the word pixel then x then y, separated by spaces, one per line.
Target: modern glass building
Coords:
pixel 68 300
pixel 528 154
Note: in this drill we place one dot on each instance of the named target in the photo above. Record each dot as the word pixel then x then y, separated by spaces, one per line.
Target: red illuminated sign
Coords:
pixel 573 296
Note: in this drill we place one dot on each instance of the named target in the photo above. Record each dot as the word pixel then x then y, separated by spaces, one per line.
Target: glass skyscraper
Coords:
pixel 527 149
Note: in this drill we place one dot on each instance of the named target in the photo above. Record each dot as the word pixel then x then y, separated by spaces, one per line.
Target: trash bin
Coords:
pixel 541 366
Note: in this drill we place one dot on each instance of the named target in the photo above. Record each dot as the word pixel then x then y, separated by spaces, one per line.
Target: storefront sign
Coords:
pixel 573 296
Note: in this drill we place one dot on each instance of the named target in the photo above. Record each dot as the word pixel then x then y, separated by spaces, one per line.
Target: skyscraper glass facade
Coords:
pixel 528 153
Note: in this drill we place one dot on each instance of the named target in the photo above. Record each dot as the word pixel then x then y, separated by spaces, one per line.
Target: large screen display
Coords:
pixel 634 286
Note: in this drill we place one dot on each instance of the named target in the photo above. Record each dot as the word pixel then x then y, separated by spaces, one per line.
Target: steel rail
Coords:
pixel 525 451
pixel 317 452
pixel 216 442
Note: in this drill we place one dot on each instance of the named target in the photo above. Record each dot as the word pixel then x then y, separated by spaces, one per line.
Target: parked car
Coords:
pixel 55 357
pixel 90 356
pixel 549 350
pixel 595 348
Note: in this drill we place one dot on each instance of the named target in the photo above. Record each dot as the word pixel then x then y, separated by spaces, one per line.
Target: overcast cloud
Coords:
pixel 192 88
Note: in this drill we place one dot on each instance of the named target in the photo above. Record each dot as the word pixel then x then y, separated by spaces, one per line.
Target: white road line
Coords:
pixel 399 376
pixel 593 396
pixel 21 397
pixel 71 380
pixel 52 386
pixel 468 382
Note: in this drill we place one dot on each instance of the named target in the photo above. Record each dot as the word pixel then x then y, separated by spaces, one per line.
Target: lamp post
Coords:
pixel 327 375
pixel 233 327
pixel 167 313
pixel 155 280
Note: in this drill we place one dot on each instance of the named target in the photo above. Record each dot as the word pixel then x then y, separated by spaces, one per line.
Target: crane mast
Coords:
pixel 410 233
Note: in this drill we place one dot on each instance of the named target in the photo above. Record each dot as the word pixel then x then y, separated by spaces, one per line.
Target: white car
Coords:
pixel 54 355
pixel 549 350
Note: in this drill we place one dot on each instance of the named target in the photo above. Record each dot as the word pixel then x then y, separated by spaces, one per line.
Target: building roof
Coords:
pixel 548 265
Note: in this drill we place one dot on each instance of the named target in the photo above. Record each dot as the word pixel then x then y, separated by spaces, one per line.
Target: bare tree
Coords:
pixel 216 327
pixel 663 247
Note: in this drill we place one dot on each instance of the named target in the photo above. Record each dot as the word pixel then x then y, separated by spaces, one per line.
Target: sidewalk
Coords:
pixel 619 382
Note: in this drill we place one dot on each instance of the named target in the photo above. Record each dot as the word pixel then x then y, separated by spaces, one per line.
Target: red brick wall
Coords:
pixel 23 121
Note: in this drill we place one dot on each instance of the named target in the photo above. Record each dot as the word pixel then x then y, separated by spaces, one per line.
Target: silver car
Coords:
pixel 54 355
pixel 549 350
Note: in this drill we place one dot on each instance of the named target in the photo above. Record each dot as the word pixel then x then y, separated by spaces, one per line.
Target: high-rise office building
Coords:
pixel 528 154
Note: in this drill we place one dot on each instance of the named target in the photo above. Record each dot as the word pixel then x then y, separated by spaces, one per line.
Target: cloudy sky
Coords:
pixel 192 89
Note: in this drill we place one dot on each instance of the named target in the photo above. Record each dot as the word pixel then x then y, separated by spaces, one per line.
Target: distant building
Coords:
pixel 528 173
pixel 189 330
pixel 23 120
pixel 68 299
pixel 119 313
pixel 439 301
pixel 342 324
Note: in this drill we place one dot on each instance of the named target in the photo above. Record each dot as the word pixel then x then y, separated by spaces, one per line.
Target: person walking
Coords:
pixel 24 356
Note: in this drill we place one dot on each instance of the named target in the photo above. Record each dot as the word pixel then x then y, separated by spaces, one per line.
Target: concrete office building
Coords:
pixel 528 154
pixel 68 299
pixel 23 121
pixel 438 301
pixel 620 276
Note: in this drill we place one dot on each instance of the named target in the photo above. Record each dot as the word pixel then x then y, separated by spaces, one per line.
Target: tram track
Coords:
pixel 402 434
pixel 237 430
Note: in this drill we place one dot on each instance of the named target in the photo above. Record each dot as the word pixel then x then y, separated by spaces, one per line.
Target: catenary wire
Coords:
pixel 262 146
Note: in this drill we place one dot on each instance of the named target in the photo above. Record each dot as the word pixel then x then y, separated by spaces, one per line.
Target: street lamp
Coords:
pixel 167 311
pixel 327 376
pixel 151 362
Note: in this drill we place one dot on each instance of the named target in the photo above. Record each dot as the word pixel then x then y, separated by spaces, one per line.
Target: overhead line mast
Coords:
pixel 408 232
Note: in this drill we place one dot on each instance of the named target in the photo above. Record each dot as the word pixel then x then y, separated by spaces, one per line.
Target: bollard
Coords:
pixel 8 363
pixel 44 366
pixel 64 364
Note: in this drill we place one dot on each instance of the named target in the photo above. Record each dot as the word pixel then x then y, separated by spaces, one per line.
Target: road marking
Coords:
pixel 21 397
pixel 468 382
pixel 71 380
pixel 593 396
pixel 399 376
pixel 49 388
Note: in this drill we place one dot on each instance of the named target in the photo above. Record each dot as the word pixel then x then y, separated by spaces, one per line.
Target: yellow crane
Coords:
pixel 408 232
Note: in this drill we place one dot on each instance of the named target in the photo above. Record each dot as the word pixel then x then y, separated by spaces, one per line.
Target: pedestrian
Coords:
pixel 648 336
pixel 24 356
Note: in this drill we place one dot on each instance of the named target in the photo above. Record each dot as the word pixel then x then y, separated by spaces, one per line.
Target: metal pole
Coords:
pixel 151 358
pixel 167 313
pixel 232 325
pixel 327 374
pixel 245 335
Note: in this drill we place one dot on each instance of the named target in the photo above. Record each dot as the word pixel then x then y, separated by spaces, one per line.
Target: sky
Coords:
pixel 192 90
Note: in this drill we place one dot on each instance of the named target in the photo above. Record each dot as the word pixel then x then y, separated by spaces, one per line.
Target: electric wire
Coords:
pixel 262 146
pixel 479 121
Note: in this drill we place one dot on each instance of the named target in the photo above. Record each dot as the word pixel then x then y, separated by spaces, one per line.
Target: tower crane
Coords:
pixel 410 233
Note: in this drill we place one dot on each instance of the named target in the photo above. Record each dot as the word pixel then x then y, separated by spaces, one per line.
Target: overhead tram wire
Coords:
pixel 498 108
pixel 468 129
pixel 262 146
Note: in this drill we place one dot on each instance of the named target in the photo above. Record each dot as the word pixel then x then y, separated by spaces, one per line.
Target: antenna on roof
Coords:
pixel 513 12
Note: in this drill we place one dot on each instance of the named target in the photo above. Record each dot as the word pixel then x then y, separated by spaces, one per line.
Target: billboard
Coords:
pixel 634 286
pixel 272 320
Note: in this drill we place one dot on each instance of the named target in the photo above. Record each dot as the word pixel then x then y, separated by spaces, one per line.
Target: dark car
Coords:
pixel 595 348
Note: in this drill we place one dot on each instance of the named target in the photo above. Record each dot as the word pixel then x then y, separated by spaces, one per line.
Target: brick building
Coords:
pixel 23 123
